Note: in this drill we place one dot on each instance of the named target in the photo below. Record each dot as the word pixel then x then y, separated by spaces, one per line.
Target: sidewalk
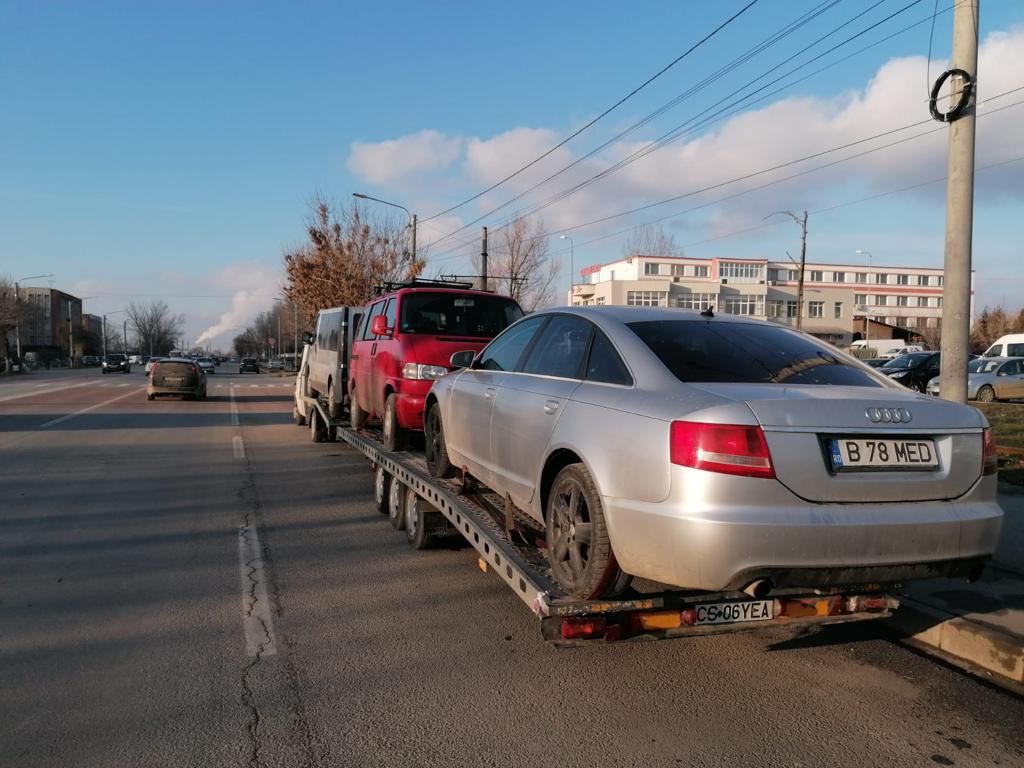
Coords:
pixel 979 625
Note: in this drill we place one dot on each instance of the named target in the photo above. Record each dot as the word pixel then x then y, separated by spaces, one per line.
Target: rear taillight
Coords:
pixel 990 461
pixel 152 369
pixel 728 448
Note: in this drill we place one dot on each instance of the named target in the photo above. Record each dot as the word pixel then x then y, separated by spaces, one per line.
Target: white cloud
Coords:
pixel 386 161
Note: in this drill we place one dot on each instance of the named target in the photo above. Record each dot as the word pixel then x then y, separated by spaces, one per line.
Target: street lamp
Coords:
pixel 867 317
pixel 17 314
pixel 572 258
pixel 412 215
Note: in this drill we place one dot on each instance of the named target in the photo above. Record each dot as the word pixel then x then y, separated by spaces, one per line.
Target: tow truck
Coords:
pixel 511 545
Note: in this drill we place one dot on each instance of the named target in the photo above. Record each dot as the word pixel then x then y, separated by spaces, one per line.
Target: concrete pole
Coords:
pixel 17 326
pixel 483 259
pixel 803 263
pixel 956 304
pixel 414 237
pixel 104 337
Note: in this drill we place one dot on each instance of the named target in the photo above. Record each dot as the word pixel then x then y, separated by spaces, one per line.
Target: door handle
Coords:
pixel 551 406
pixel 489 393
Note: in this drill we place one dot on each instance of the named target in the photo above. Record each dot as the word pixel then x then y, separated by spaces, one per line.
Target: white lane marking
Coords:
pixel 238 446
pixel 256 618
pixel 44 391
pixel 68 416
pixel 234 409
pixel 254 386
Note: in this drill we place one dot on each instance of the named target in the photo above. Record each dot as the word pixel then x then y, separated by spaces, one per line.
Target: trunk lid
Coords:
pixel 800 421
pixel 174 374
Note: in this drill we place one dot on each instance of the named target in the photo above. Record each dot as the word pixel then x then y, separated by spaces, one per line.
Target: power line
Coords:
pixel 621 101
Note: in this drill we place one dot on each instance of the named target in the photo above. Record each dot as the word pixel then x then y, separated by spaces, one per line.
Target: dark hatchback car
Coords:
pixel 249 364
pixel 116 362
pixel 913 371
pixel 176 377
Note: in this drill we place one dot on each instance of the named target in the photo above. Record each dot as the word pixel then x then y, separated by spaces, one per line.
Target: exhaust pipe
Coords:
pixel 759 588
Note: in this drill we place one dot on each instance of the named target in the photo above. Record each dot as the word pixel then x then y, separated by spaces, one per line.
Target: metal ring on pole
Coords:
pixel 962 103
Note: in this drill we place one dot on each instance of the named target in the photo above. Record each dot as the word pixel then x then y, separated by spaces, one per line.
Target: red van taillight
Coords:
pixel 990 461
pixel 152 369
pixel 728 448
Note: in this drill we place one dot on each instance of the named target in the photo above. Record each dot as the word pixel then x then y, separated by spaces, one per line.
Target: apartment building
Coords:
pixel 839 299
pixel 52 318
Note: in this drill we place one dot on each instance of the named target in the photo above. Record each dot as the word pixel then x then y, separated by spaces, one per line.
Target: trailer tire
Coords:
pixel 579 550
pixel 396 504
pixel 381 488
pixel 316 427
pixel 435 447
pixel 297 416
pixel 395 438
pixel 418 517
pixel 357 415
pixel 333 408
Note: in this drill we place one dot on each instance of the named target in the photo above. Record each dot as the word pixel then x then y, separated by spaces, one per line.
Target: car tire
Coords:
pixel 919 386
pixel 986 395
pixel 297 417
pixel 357 416
pixel 581 558
pixel 435 447
pixel 395 438
pixel 333 408
pixel 317 433
pixel 396 504
pixel 381 488
pixel 420 521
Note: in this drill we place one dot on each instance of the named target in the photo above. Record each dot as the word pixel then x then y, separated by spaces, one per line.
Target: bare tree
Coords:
pixel 651 240
pixel 154 326
pixel 346 256
pixel 520 266
pixel 8 315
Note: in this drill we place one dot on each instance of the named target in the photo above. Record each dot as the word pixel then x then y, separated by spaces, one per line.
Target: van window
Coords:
pixel 332 331
pixel 996 350
pixel 1015 350
pixel 391 313
pixel 374 310
pixel 319 332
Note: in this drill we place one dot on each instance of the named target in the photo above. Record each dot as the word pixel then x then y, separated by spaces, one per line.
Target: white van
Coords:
pixel 1011 345
pixel 327 364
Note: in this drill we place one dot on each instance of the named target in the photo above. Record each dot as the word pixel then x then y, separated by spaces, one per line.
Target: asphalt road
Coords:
pixel 197 584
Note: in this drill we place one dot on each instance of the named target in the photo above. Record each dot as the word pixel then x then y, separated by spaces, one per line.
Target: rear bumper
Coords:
pixel 772 534
pixel 151 390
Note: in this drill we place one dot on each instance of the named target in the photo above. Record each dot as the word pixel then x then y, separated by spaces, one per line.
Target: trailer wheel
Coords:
pixel 297 416
pixel 418 518
pixel 316 427
pixel 395 438
pixel 579 551
pixel 396 504
pixel 381 488
pixel 333 408
pixel 435 447
pixel 357 415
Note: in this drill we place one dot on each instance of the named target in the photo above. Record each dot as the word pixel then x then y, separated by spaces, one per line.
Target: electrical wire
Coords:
pixel 614 106
pixel 928 66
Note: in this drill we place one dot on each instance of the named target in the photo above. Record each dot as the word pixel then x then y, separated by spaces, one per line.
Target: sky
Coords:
pixel 170 151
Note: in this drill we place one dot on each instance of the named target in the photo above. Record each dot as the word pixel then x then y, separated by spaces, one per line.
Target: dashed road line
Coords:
pixel 68 416
pixel 238 446
pixel 234 409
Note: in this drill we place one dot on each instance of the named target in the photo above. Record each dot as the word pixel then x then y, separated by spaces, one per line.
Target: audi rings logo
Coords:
pixel 888 415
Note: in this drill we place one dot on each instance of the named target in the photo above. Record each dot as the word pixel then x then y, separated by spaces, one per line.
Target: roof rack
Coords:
pixel 390 286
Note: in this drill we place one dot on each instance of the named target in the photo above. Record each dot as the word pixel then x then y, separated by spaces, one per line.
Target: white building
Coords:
pixel 837 298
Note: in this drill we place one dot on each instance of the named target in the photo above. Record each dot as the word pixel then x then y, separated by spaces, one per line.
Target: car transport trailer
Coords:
pixel 512 546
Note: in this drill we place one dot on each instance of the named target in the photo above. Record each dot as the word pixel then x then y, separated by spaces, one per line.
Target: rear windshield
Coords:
pixel 457 314
pixel 717 351
pixel 912 360
pixel 176 368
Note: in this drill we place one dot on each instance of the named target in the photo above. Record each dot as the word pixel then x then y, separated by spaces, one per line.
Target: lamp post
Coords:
pixel 17 314
pixel 412 216
pixel 867 317
pixel 572 258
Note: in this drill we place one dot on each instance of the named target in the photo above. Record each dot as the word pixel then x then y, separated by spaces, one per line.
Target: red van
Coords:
pixel 406 340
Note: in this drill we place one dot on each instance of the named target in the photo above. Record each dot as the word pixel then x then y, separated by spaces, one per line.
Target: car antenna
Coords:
pixel 709 312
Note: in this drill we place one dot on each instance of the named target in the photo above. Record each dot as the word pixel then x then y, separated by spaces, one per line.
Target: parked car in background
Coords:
pixel 173 376
pixel 1011 345
pixel 116 362
pixel 714 453
pixel 327 356
pixel 275 364
pixel 990 379
pixel 206 365
pixel 883 348
pixel 405 342
pixel 875 362
pixel 892 354
pixel 90 361
pixel 914 370
pixel 248 364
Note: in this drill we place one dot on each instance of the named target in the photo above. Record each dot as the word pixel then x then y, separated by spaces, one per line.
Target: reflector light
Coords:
pixel 689 617
pixel 990 461
pixel 731 449
pixel 660 620
pixel 582 628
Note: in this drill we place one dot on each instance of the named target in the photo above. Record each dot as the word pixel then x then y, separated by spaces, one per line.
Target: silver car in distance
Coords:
pixel 714 453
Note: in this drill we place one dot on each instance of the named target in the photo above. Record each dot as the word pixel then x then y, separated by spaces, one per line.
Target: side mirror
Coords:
pixel 462 359
pixel 379 326
pixel 307 337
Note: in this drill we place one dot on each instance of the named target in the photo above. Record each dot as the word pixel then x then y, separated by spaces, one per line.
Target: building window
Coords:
pixel 693 270
pixel 739 270
pixel 938 302
pixel 940 281
pixel 882 278
pixel 816 309
pixel 931 322
pixel 696 300
pixel 793 275
pixel 838 308
pixel 647 298
pixel 776 307
pixel 790 309
pixel 860 298
pixel 902 279
pixel 862 277
pixel 902 301
pixel 653 268
pixel 600 300
pixel 911 322
pixel 913 301
pixel 773 274
pixel 678 270
pixel 839 277
pixel 817 276
pixel 745 305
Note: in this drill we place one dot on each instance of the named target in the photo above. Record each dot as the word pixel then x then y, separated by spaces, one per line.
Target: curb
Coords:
pixel 965 643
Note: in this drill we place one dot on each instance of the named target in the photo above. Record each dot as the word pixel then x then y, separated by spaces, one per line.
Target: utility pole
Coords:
pixel 956 303
pixel 125 339
pixel 483 258
pixel 71 338
pixel 414 237
pixel 802 221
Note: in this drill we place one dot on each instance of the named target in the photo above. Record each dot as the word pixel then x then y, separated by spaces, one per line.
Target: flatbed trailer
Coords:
pixel 511 545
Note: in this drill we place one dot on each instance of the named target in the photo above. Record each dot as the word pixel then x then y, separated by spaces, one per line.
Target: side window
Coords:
pixel 391 313
pixel 933 362
pixel 561 348
pixel 504 353
pixel 368 321
pixel 332 331
pixel 1012 368
pixel 319 333
pixel 996 350
pixel 604 363
pixel 1014 350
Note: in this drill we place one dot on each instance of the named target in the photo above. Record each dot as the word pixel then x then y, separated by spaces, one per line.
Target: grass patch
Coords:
pixel 1007 420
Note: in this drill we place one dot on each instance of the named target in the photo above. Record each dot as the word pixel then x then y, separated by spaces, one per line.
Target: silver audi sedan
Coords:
pixel 990 379
pixel 714 453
